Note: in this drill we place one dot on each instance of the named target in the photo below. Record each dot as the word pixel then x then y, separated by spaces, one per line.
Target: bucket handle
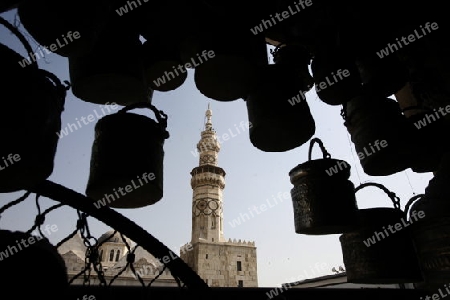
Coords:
pixel 411 201
pixel 159 114
pixel 322 147
pixel 395 199
pixel 22 39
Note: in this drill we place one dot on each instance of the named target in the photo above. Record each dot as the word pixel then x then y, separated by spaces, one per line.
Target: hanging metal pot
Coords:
pixel 279 115
pixel 163 68
pixel 100 77
pixel 127 159
pixel 34 96
pixel 231 70
pixel 66 28
pixel 335 74
pixel 380 133
pixel 381 76
pixel 431 231
pixel 376 253
pixel 323 197
pixel 297 58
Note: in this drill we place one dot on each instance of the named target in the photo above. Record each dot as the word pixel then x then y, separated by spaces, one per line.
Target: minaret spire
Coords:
pixel 207 183
pixel 208 114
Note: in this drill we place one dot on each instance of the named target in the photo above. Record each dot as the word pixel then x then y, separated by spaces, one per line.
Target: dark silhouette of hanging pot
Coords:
pixel 335 74
pixel 127 159
pixel 163 68
pixel 380 133
pixel 36 97
pixel 279 115
pixel 231 72
pixel 323 197
pixel 66 28
pixel 381 250
pixel 113 71
pixel 381 76
pixel 295 58
pixel 431 232
pixel 428 129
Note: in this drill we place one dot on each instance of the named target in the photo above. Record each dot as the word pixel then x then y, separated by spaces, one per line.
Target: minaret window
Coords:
pixel 213 223
pixel 239 266
pixel 111 255
pixel 117 255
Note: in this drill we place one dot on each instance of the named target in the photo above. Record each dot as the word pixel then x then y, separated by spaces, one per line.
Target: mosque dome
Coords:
pixel 111 237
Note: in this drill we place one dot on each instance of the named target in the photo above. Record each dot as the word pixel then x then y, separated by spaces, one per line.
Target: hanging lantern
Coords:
pixel 335 74
pixel 27 152
pixel 113 71
pixel 431 231
pixel 68 29
pixel 323 197
pixel 163 69
pixel 375 255
pixel 279 115
pixel 127 159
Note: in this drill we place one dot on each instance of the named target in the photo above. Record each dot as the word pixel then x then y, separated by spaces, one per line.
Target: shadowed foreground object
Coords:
pixel 29 137
pixel 389 260
pixel 34 256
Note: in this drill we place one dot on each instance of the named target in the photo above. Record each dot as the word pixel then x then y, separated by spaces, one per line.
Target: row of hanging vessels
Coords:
pixel 324 202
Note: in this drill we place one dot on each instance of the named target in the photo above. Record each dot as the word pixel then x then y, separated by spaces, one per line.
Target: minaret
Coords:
pixel 207 182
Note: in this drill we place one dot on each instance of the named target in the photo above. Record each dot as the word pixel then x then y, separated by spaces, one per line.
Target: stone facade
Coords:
pixel 113 257
pixel 219 262
pixel 224 264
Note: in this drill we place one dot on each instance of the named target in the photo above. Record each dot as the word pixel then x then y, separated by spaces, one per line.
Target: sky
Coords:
pixel 253 177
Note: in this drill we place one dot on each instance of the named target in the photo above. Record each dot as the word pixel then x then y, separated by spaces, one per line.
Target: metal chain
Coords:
pixel 92 258
pixel 395 199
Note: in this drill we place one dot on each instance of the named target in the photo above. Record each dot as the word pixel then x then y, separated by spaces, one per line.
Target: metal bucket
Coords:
pixel 380 133
pixel 389 260
pixel 36 97
pixel 233 71
pixel 431 234
pixel 279 115
pixel 66 28
pixel 99 77
pixel 381 76
pixel 163 68
pixel 335 74
pixel 127 159
pixel 323 203
pixel 296 58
